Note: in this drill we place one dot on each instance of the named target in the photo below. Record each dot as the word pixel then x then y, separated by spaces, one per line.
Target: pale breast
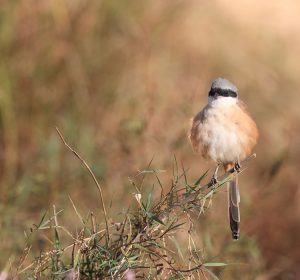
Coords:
pixel 224 135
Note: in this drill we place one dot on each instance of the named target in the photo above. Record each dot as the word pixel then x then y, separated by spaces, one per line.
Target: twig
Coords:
pixel 191 269
pixel 193 196
pixel 55 216
pixel 93 176
pixel 220 179
pixel 93 222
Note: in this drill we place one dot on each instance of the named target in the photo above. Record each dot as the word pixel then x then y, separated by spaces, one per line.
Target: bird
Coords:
pixel 224 132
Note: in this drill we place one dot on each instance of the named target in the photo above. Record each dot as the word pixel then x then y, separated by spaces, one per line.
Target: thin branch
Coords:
pixel 93 176
pixel 220 179
pixel 55 216
pixel 193 196
pixel 191 269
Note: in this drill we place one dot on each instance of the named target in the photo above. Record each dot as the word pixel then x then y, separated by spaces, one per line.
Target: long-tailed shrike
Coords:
pixel 225 133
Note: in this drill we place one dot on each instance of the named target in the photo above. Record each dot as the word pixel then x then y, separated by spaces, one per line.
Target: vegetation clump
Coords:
pixel 144 244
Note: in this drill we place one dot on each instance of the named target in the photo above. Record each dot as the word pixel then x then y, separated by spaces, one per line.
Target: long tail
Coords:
pixel 233 206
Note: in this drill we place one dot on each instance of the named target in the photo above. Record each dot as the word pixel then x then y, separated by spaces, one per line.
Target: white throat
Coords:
pixel 222 101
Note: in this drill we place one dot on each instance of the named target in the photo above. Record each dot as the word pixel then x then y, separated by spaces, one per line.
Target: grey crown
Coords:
pixel 223 84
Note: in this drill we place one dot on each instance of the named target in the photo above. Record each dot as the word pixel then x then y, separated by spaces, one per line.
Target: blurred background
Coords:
pixel 122 79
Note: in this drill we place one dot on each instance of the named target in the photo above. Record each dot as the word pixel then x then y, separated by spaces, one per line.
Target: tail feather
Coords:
pixel 234 209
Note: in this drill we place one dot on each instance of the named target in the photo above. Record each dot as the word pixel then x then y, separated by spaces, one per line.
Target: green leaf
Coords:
pixel 184 174
pixel 154 218
pixel 77 213
pixel 56 238
pixel 138 246
pixel 201 178
pixel 176 226
pixel 42 220
pixel 143 206
pixel 76 259
pixel 159 182
pixel 43 224
pixel 215 264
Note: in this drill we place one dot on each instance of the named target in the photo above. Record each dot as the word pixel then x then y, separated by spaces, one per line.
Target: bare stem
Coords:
pixel 55 216
pixel 93 176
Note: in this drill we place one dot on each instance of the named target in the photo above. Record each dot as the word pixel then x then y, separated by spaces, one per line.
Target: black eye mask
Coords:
pixel 222 92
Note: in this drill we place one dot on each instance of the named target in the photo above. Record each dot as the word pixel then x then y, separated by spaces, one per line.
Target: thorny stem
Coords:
pixel 93 176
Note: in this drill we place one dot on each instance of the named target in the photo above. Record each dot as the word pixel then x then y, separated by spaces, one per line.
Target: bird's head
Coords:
pixel 222 93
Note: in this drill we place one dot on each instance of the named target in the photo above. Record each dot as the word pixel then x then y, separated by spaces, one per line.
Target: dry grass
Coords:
pixel 144 243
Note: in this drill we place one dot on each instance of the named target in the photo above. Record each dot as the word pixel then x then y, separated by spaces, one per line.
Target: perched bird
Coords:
pixel 225 133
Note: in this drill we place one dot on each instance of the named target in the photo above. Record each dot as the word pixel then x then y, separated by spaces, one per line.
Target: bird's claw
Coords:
pixel 237 167
pixel 213 181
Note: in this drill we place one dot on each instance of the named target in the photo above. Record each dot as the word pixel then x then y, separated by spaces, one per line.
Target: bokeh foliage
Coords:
pixel 121 79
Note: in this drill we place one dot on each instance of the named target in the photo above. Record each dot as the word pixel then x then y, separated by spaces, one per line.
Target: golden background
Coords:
pixel 121 79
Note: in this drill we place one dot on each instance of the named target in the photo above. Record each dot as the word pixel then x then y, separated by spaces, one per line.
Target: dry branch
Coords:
pixel 93 176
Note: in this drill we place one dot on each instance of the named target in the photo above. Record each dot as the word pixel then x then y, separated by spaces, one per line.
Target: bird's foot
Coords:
pixel 237 167
pixel 213 181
